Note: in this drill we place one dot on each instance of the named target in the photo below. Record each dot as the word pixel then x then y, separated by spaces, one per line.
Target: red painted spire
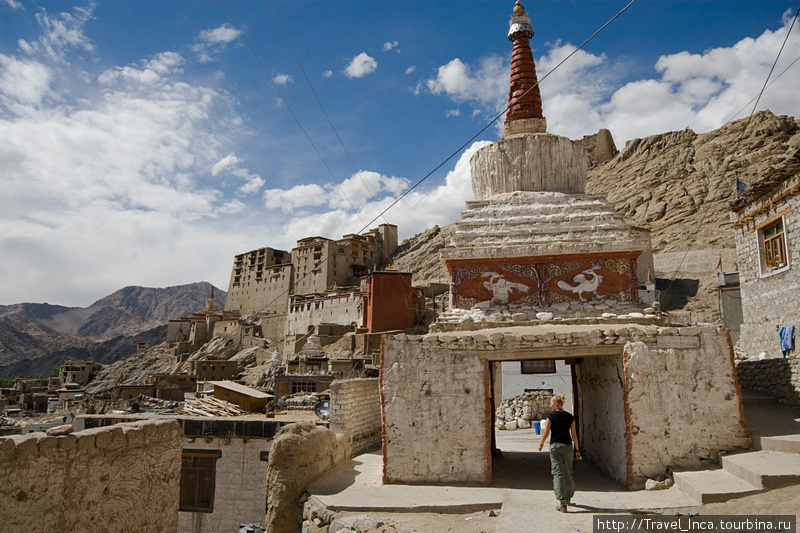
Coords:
pixel 212 293
pixel 524 114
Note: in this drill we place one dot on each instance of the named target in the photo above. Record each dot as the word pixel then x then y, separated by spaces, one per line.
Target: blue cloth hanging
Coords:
pixel 787 339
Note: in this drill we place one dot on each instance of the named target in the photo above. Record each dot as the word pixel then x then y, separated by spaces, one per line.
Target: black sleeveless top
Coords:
pixel 560 423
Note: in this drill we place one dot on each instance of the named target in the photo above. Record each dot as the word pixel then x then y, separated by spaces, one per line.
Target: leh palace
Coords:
pixel 376 393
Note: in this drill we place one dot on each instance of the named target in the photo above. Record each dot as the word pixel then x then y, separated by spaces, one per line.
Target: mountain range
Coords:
pixel 35 337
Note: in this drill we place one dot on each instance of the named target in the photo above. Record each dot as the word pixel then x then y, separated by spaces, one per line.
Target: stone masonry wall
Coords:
pixel 601 420
pixel 770 302
pixel 779 378
pixel 684 401
pixel 124 479
pixel 436 413
pixel 356 412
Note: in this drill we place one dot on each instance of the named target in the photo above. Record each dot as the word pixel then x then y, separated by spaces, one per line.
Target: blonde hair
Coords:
pixel 559 399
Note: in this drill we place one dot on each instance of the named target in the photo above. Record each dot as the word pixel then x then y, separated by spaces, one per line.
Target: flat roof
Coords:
pixel 242 389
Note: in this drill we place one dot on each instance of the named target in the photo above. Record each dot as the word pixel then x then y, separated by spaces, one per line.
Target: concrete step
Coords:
pixel 766 469
pixel 707 486
pixel 781 443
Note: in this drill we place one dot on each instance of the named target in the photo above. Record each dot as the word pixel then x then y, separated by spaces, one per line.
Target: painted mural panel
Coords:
pixel 589 280
pixel 494 285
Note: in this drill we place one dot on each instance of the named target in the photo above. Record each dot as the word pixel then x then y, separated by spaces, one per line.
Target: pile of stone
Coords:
pixel 304 401
pixel 599 309
pixel 520 412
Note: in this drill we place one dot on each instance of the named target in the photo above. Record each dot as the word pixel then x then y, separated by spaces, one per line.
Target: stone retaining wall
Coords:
pixel 124 478
pixel 356 412
pixel 779 378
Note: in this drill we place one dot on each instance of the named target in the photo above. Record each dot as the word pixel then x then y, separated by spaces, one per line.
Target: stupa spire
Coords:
pixel 524 114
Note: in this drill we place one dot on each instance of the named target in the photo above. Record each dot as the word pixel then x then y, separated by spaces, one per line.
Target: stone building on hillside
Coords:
pixel 188 334
pixel 541 271
pixel 263 280
pixel 77 371
pixel 766 219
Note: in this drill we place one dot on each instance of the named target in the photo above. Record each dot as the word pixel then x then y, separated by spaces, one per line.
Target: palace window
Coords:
pixel 198 472
pixel 538 366
pixel 773 257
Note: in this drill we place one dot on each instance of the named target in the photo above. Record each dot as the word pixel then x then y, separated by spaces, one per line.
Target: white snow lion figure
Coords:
pixel 583 284
pixel 501 288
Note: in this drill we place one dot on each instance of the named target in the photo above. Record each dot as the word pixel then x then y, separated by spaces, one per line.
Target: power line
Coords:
pixel 322 107
pixel 441 164
pixel 289 108
pixel 735 147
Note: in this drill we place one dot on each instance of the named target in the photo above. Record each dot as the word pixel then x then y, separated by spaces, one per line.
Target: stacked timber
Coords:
pixel 210 406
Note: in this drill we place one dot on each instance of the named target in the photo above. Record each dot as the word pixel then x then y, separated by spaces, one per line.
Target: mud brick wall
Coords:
pixel 437 413
pixel 300 454
pixel 356 412
pixel 683 400
pixel 124 479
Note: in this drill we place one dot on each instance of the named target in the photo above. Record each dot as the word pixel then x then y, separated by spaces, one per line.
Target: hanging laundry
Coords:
pixel 787 339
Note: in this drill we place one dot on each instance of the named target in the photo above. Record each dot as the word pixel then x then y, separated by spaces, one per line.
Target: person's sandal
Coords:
pixel 562 507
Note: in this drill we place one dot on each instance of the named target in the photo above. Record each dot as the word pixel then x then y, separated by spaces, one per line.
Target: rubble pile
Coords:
pixel 521 411
pixel 304 401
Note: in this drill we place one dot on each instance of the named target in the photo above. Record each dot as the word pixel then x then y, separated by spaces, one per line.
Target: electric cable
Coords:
pixel 735 147
pixel 289 108
pixel 442 163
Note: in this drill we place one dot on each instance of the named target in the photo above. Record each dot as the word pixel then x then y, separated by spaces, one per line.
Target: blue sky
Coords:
pixel 142 143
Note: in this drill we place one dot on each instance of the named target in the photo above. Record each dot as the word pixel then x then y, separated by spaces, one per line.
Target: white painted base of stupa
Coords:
pixel 529 162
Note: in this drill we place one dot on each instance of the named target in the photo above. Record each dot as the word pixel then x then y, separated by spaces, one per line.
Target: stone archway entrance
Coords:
pixel 596 396
pixel 635 380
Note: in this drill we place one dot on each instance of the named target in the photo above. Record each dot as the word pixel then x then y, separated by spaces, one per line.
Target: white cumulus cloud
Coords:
pixel 360 66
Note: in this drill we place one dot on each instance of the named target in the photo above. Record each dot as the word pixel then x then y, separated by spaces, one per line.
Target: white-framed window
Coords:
pixel 773 254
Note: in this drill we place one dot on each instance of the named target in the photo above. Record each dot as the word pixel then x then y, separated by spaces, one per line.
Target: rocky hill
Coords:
pixel 35 337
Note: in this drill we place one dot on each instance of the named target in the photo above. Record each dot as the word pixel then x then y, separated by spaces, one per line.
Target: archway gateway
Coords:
pixel 652 397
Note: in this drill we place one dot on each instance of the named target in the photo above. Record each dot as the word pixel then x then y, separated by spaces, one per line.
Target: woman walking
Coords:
pixel 563 445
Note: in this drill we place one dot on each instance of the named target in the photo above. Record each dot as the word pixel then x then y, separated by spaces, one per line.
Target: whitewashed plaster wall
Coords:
pixel 515 382
pixel 602 426
pixel 436 413
pixel 680 399
pixel 239 493
pixel 684 403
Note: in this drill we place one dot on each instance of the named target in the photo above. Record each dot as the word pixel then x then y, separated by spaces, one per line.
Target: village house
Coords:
pixel 766 220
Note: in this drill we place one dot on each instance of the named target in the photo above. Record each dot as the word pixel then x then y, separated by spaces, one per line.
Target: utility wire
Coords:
pixel 735 148
pixel 322 107
pixel 452 155
pixel 297 120
pixel 495 119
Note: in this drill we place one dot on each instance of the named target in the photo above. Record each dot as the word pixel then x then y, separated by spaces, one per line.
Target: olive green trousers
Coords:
pixel 561 467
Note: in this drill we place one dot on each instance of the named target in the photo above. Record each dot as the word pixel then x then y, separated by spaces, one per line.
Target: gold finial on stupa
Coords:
pixel 518 9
